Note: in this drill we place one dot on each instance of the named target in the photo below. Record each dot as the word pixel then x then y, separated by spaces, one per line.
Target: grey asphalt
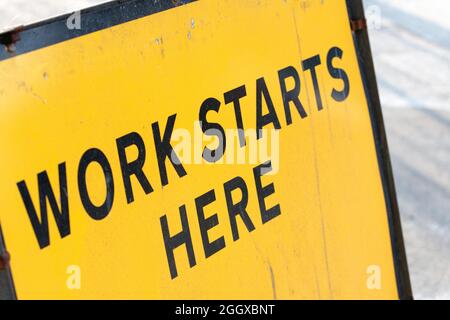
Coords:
pixel 411 46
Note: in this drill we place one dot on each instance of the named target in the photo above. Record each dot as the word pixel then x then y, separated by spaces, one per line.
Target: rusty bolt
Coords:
pixel 357 25
pixel 4 260
pixel 177 2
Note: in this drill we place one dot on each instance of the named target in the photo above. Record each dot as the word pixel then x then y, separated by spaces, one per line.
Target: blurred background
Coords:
pixel 411 47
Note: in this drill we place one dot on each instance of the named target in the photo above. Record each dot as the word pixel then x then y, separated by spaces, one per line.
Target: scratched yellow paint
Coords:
pixel 59 101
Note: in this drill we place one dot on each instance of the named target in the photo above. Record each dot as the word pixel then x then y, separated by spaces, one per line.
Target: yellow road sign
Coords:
pixel 218 149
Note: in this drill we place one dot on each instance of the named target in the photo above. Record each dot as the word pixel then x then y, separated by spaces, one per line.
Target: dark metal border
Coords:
pixel 35 36
pixel 364 53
